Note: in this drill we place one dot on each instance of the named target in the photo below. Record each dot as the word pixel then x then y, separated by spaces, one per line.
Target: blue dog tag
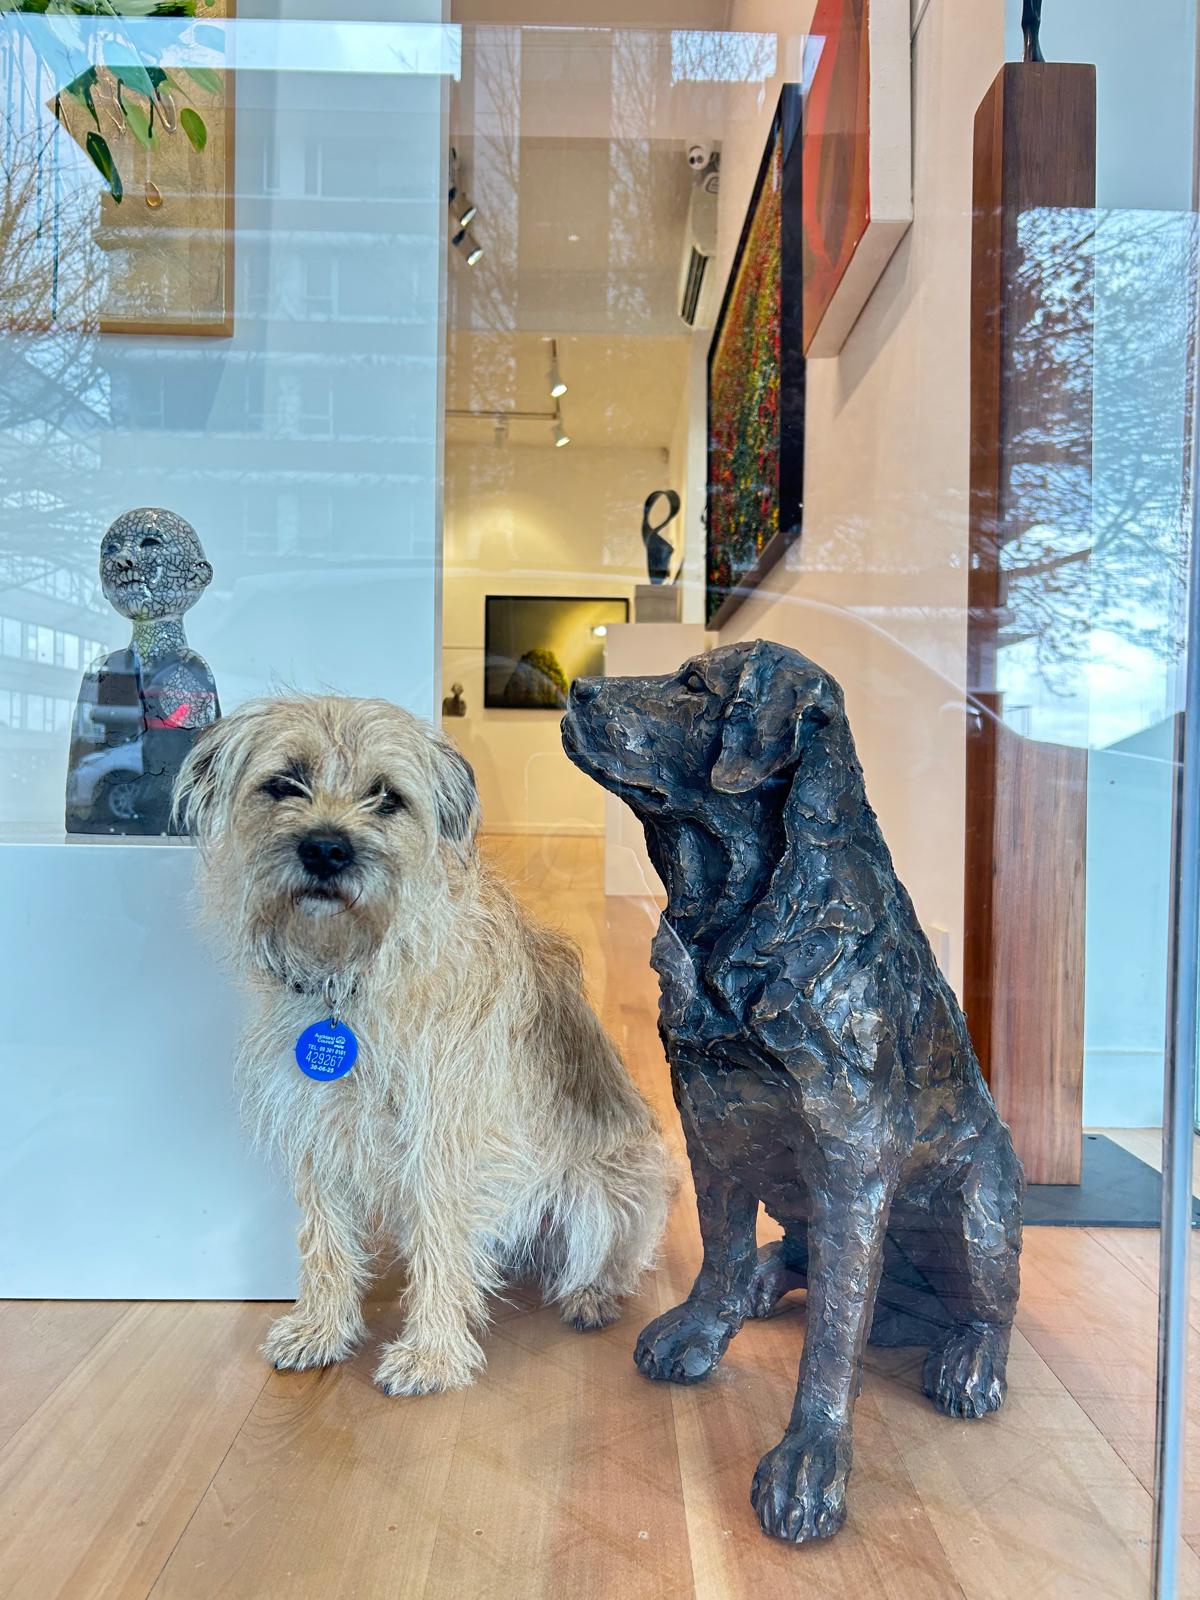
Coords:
pixel 326 1051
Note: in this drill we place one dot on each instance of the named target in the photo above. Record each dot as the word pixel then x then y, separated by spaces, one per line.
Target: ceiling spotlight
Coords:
pixel 561 436
pixel 462 213
pixel 600 632
pixel 554 377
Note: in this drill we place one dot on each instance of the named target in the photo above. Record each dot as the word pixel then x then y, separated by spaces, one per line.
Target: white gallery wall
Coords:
pixel 876 588
pixel 305 449
pixel 520 520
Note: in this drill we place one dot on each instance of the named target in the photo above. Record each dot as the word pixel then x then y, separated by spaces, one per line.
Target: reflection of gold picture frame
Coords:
pixel 169 238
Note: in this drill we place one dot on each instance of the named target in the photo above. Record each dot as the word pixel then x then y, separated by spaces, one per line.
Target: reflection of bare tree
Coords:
pixel 1094 531
pixel 636 79
pixel 51 287
pixel 708 56
pixel 1097 541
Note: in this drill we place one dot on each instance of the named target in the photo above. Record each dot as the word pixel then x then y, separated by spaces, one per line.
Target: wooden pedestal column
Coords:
pixel 1031 441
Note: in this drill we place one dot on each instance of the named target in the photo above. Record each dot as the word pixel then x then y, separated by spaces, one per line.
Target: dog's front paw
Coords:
pixel 300 1340
pixel 966 1376
pixel 590 1308
pixel 799 1488
pixel 684 1344
pixel 414 1369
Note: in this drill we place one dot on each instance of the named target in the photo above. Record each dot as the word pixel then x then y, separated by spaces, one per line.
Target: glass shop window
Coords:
pixel 453 362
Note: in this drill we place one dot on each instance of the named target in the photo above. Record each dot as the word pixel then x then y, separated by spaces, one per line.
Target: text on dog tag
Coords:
pixel 327 1050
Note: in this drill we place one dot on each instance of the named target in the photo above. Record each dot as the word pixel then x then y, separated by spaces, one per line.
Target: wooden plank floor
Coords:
pixel 147 1450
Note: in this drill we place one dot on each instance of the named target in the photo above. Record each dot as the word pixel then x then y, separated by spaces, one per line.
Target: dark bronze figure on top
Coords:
pixel 820 1061
pixel 1031 27
pixel 659 551
pixel 139 709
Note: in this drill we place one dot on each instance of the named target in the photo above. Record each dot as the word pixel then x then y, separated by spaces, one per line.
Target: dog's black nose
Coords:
pixel 325 854
pixel 585 689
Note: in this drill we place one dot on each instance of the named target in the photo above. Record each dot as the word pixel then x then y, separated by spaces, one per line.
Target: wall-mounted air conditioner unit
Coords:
pixel 699 248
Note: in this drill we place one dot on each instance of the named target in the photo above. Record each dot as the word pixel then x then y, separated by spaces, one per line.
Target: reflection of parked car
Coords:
pixel 104 784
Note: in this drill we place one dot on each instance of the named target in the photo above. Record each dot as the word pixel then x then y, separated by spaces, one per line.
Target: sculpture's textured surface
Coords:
pixel 140 709
pixel 820 1061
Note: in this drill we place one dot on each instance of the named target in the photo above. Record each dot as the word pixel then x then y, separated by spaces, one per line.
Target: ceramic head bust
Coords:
pixel 152 565
pixel 140 708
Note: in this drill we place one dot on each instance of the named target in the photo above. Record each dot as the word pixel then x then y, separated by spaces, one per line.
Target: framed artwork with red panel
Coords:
pixel 756 383
pixel 857 160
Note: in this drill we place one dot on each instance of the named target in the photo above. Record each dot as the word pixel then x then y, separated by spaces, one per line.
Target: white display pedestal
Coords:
pixel 640 650
pixel 126 1172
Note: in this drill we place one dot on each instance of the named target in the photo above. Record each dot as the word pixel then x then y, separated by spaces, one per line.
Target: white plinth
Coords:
pixel 126 1173
pixel 640 650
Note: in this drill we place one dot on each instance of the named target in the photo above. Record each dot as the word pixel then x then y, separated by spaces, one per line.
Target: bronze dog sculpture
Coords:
pixel 821 1064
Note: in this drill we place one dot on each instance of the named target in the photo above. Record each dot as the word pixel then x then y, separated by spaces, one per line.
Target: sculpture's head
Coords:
pixel 736 722
pixel 152 565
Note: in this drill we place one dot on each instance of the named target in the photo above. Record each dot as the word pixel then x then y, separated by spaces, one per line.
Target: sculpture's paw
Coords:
pixel 410 1369
pixel 799 1489
pixel 590 1308
pixel 684 1344
pixel 965 1377
pixel 773 1278
pixel 301 1340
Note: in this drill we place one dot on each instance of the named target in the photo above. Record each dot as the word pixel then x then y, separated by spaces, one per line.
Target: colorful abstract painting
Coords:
pixel 857 159
pixel 837 153
pixel 755 388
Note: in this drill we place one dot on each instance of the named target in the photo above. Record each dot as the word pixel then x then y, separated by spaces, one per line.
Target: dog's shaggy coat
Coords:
pixel 488 1124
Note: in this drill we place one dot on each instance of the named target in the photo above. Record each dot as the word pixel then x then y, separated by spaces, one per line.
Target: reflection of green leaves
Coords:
pixel 193 125
pixel 139 125
pixel 63 47
pixel 134 76
pixel 204 78
pixel 101 156
pixel 81 89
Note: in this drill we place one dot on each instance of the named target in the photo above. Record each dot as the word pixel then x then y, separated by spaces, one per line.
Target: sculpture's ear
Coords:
pixel 209 778
pixel 764 716
pixel 455 796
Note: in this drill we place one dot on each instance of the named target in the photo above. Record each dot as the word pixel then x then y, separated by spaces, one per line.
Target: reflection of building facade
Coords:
pixel 301 442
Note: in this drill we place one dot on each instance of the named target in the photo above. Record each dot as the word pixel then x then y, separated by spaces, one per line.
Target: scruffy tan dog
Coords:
pixel 488 1123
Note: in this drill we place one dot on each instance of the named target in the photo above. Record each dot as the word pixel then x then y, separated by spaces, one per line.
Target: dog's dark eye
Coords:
pixel 695 684
pixel 389 802
pixel 283 787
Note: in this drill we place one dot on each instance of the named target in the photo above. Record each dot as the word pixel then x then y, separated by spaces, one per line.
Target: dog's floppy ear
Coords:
pixel 455 795
pixel 760 737
pixel 209 777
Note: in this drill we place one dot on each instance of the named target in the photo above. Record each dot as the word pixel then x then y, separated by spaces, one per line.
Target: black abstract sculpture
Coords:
pixel 659 551
pixel 820 1061
pixel 1031 27
pixel 139 709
